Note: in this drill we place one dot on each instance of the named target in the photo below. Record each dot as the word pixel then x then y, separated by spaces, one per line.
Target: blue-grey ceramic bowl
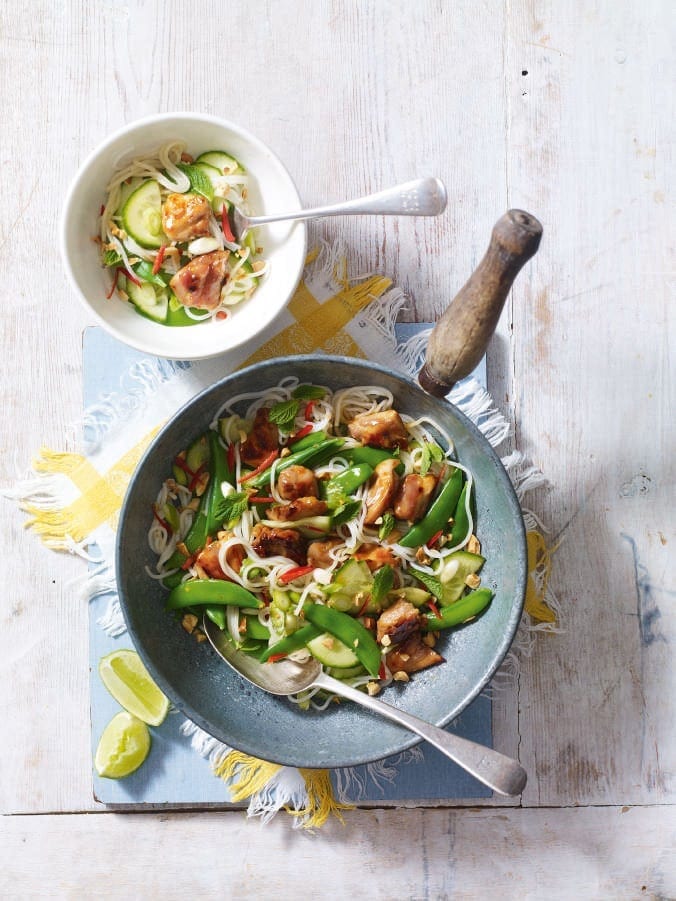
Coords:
pixel 207 691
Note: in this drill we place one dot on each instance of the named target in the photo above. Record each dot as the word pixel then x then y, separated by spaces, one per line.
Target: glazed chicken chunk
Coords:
pixel 398 622
pixel 412 656
pixel 262 439
pixel 269 542
pixel 297 481
pixel 199 282
pixel 186 216
pixel 209 561
pixel 383 429
pixel 298 509
pixel 413 496
pixel 381 491
pixel 319 552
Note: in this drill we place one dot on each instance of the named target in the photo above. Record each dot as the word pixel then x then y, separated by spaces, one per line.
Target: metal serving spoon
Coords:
pixel 422 197
pixel 500 773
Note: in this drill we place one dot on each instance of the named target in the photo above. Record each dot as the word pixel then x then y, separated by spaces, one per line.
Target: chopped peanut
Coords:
pixel 372 688
pixel 472 580
pixel 189 622
pixel 285 452
pixel 328 642
pixel 199 636
pixel 386 641
pixel 422 557
pixel 430 639
pixel 473 545
pixel 400 676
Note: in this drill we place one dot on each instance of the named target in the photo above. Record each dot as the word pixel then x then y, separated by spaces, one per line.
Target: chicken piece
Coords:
pixel 375 556
pixel 398 622
pixel 262 440
pixel 297 481
pixel 269 542
pixel 412 656
pixel 208 559
pixel 381 490
pixel 199 282
pixel 298 509
pixel 383 429
pixel 318 552
pixel 413 496
pixel 186 216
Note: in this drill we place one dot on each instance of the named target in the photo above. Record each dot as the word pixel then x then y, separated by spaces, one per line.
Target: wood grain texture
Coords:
pixel 401 855
pixel 592 394
pixel 564 110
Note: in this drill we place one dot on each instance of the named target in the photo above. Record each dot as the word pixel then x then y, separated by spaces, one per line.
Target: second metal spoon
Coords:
pixel 500 773
pixel 422 197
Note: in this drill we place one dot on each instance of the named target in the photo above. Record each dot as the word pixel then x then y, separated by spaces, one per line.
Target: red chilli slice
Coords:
pixel 114 285
pixel 268 461
pixel 295 573
pixel 301 433
pixel 273 658
pixel 159 259
pixel 161 521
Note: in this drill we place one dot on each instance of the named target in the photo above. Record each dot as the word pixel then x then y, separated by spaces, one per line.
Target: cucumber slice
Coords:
pixel 354 574
pixel 224 163
pixel 346 672
pixel 211 172
pixel 452 572
pixel 149 301
pixel 415 596
pixel 142 215
pixel 332 652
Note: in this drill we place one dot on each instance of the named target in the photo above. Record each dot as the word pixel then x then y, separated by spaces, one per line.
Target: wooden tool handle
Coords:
pixel 461 336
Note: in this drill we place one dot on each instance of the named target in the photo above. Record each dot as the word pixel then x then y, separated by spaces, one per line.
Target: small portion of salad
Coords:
pixel 167 236
pixel 308 522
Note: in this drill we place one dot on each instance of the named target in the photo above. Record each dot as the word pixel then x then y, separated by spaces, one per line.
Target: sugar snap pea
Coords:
pixel 460 611
pixel 290 643
pixel 211 591
pixel 438 514
pixel 338 489
pixel 348 630
pixel 460 519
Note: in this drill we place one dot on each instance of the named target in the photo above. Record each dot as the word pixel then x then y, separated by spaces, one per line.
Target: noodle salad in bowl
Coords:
pixel 310 521
pixel 167 237
pixel 147 229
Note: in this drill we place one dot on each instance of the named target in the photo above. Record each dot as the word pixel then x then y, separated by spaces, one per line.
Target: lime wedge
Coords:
pixel 129 682
pixel 123 746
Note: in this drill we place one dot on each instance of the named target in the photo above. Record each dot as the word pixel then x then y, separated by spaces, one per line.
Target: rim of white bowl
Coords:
pixel 90 160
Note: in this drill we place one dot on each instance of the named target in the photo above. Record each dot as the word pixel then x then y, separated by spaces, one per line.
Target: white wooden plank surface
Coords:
pixel 353 97
pixel 592 853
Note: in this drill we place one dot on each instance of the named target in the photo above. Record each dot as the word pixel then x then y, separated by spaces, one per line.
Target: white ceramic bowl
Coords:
pixel 272 190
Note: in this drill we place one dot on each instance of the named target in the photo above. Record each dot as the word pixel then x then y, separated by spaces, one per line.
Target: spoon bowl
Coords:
pixel 285 677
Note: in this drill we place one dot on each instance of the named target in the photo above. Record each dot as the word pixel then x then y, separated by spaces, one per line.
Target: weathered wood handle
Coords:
pixel 461 336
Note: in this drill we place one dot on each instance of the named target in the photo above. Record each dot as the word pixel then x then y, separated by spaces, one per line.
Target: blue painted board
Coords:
pixel 174 773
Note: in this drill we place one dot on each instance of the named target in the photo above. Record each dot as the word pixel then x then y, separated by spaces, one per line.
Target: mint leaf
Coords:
pixel 430 451
pixel 231 507
pixel 382 582
pixel 308 392
pixel 111 258
pixel 431 583
pixel 345 513
pixel 284 414
pixel 199 182
pixel 387 526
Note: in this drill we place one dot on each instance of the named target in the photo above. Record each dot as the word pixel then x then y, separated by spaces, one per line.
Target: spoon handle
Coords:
pixel 422 197
pixel 500 773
